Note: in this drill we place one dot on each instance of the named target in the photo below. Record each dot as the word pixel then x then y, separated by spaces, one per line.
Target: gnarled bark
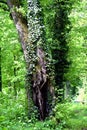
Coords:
pixel 32 40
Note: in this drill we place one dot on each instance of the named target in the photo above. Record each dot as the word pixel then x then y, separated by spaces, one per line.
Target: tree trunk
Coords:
pixel 37 60
pixel 60 54
pixel 0 73
pixel 32 40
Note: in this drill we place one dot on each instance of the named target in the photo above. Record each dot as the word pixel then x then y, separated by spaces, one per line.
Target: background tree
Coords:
pixel 60 34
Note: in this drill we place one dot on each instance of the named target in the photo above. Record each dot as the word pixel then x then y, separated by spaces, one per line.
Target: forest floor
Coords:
pixel 78 118
pixel 13 115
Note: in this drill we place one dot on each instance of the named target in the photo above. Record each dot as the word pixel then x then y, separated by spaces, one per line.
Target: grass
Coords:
pixel 78 119
pixel 13 116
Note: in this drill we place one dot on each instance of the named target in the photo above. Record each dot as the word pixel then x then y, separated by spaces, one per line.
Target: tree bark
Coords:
pixel 32 40
pixel 37 60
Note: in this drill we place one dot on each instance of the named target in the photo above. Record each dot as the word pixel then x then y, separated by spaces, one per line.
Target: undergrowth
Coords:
pixel 66 116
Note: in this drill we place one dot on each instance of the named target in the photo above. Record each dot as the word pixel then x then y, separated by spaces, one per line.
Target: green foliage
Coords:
pixel 67 116
pixel 48 18
pixel 14 117
pixel 11 109
pixel 61 114
pixel 78 118
pixel 11 53
pixel 23 4
pixel 61 28
pixel 77 45
pixel 36 33
pixel 3 5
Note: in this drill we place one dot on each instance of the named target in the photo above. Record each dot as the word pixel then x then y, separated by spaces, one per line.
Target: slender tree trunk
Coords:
pixel 32 40
pixel 0 73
